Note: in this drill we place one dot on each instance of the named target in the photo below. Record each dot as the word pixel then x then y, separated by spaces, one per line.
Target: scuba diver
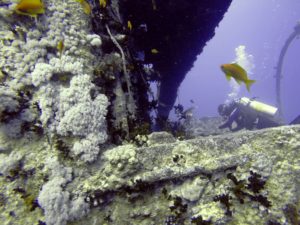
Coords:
pixel 249 114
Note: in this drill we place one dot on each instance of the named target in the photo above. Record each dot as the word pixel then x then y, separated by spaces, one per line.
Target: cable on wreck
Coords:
pixel 278 75
pixel 131 109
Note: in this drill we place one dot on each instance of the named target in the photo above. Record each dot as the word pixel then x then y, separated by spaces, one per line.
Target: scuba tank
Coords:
pixel 259 107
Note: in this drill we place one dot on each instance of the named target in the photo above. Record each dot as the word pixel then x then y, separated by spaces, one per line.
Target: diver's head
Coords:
pixel 226 109
pixel 222 110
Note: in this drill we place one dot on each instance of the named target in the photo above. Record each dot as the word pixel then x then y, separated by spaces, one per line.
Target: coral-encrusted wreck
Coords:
pixel 171 34
pixel 80 61
pixel 75 78
pixel 161 42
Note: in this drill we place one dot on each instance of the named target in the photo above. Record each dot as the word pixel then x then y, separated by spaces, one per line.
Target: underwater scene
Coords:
pixel 149 112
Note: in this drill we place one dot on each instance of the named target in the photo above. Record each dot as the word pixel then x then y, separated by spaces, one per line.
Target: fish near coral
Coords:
pixel 30 7
pixel 86 6
pixel 129 25
pixel 237 73
pixel 102 3
pixel 60 47
pixel 154 51
pixel 154 7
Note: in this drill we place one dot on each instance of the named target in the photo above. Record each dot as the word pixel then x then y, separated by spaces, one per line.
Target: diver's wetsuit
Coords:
pixel 233 117
pixel 245 117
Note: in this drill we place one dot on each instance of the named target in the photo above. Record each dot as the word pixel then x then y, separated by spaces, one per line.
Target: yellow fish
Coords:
pixel 129 25
pixel 154 51
pixel 86 6
pixel 102 3
pixel 30 7
pixel 154 7
pixel 60 47
pixel 238 73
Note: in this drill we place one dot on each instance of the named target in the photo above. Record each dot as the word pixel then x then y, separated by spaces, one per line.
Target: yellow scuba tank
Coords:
pixel 259 107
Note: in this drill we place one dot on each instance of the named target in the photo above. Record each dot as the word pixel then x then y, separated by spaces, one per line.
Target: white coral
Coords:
pixel 8 100
pixel 94 39
pixel 88 148
pixel 57 202
pixel 72 111
pixel 58 205
pixel 41 73
pixel 80 115
pixel 44 71
pixel 67 107
pixel 7 163
pixel 79 111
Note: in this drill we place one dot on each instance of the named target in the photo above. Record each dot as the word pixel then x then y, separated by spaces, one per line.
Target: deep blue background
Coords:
pixel 262 26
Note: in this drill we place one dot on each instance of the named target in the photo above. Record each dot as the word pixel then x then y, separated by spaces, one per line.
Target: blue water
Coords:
pixel 262 26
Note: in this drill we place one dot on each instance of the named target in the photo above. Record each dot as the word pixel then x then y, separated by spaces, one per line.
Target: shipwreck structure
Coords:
pixel 75 78
pixel 279 74
pixel 161 42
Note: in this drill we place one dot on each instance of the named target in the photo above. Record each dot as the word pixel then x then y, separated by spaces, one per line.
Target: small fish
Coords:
pixel 30 7
pixel 60 47
pixel 130 67
pixel 188 113
pixel 102 3
pixel 154 7
pixel 129 25
pixel 183 114
pixel 154 51
pixel 86 6
pixel 238 73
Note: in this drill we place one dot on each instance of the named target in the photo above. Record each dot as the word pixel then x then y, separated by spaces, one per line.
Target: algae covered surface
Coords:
pixel 63 105
pixel 249 177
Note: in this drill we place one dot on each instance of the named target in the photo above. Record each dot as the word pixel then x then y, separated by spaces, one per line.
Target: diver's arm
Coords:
pixel 232 117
